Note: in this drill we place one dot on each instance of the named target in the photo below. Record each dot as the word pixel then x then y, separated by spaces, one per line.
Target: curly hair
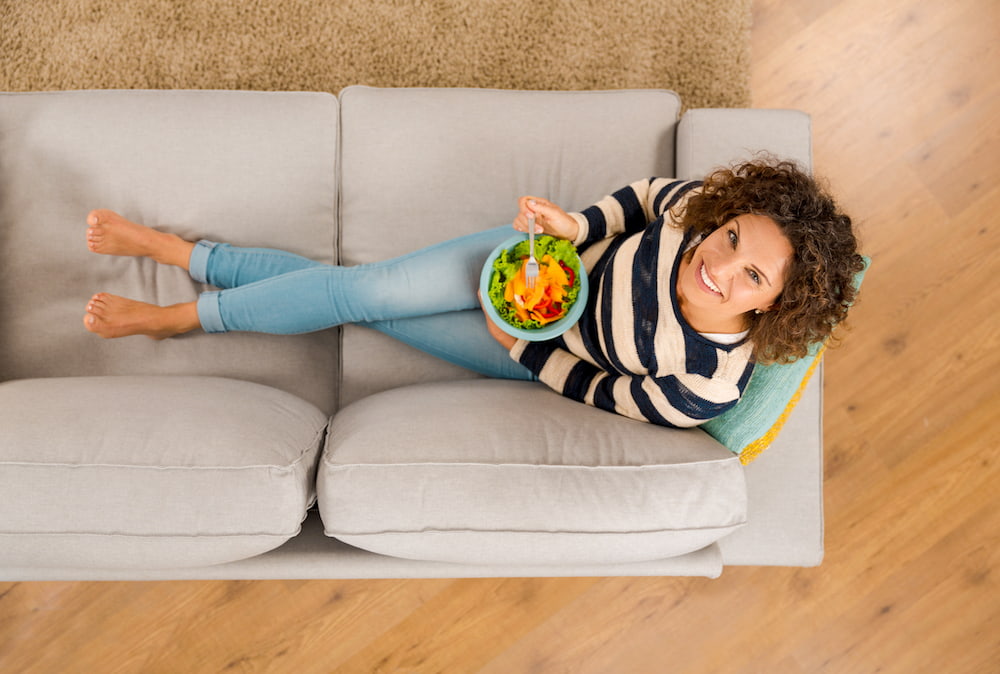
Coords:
pixel 818 288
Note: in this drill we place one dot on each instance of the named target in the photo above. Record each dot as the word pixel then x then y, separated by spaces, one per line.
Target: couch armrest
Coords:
pixel 708 138
pixel 785 487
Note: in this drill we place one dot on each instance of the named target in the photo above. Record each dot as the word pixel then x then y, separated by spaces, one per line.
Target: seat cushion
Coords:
pixel 151 472
pixel 502 472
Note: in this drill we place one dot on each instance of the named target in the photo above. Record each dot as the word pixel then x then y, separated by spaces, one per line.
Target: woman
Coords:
pixel 692 282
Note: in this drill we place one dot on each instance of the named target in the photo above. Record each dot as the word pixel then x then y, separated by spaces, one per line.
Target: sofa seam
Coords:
pixel 518 464
pixel 559 92
pixel 432 530
pixel 269 468
pixel 122 534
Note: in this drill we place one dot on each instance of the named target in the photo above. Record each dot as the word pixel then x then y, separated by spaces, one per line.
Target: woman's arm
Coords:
pixel 633 208
pixel 683 400
pixel 505 340
pixel 630 209
pixel 677 401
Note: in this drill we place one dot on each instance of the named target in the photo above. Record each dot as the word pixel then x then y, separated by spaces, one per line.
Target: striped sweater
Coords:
pixel 632 352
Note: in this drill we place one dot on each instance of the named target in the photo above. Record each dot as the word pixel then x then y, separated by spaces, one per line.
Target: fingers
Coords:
pixel 540 208
pixel 549 218
pixel 521 223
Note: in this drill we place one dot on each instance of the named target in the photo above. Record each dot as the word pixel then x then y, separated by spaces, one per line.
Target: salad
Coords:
pixel 555 291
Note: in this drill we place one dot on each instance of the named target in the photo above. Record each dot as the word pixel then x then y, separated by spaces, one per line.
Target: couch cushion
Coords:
pixel 151 472
pixel 503 472
pixel 425 165
pixel 251 168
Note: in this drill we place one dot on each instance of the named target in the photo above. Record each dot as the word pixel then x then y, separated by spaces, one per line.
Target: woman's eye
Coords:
pixel 754 276
pixel 732 238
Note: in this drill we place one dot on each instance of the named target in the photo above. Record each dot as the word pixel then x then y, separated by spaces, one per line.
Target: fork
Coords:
pixel 531 264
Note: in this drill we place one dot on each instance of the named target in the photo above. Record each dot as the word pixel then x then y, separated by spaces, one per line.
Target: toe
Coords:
pixel 101 216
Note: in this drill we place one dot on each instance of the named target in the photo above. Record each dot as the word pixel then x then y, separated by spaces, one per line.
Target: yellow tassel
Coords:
pixel 753 450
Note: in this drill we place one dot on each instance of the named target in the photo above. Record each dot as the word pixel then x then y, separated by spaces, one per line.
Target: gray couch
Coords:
pixel 343 453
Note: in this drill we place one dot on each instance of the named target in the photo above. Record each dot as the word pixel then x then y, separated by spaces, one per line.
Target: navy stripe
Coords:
pixel 635 217
pixel 597 226
pixel 588 329
pixel 607 308
pixel 663 194
pixel 536 354
pixel 645 294
pixel 588 334
pixel 578 381
pixel 601 284
pixel 675 196
pixel 701 358
pixel 745 377
pixel 604 394
pixel 682 399
pixel 646 405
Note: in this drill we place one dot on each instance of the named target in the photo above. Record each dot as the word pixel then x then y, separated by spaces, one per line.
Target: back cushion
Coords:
pixel 251 168
pixel 424 165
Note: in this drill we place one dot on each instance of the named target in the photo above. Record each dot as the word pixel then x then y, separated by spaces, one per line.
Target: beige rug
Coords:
pixel 698 48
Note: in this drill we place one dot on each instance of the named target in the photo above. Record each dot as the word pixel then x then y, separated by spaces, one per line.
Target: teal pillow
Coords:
pixel 749 427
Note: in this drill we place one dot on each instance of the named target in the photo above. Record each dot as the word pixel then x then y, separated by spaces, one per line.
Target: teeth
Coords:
pixel 708 281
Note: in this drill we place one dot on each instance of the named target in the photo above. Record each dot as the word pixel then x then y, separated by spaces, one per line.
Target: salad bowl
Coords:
pixel 549 330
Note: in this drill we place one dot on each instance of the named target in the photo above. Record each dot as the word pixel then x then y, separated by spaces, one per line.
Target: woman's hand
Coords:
pixel 549 218
pixel 506 341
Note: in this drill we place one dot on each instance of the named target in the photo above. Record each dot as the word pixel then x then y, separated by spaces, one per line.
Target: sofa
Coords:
pixel 343 453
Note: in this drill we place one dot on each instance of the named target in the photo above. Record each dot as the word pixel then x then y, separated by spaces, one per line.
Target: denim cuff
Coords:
pixel 198 263
pixel 209 314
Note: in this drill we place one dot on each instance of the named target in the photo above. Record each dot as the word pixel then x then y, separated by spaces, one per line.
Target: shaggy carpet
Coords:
pixel 698 49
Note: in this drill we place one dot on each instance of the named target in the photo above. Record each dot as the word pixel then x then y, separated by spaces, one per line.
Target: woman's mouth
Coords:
pixel 707 281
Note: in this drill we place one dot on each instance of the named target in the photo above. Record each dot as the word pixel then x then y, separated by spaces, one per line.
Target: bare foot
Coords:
pixel 111 316
pixel 108 233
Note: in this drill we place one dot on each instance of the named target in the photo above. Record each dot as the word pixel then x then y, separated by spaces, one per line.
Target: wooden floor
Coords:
pixel 906 114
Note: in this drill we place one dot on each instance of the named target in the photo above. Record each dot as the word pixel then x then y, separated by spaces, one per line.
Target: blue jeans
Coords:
pixel 426 299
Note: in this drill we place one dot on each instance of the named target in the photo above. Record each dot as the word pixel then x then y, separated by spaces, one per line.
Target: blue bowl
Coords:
pixel 549 331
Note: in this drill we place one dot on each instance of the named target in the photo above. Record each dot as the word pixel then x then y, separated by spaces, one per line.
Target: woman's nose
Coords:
pixel 727 266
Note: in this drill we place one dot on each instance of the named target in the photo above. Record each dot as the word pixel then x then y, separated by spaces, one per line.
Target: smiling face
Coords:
pixel 737 269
